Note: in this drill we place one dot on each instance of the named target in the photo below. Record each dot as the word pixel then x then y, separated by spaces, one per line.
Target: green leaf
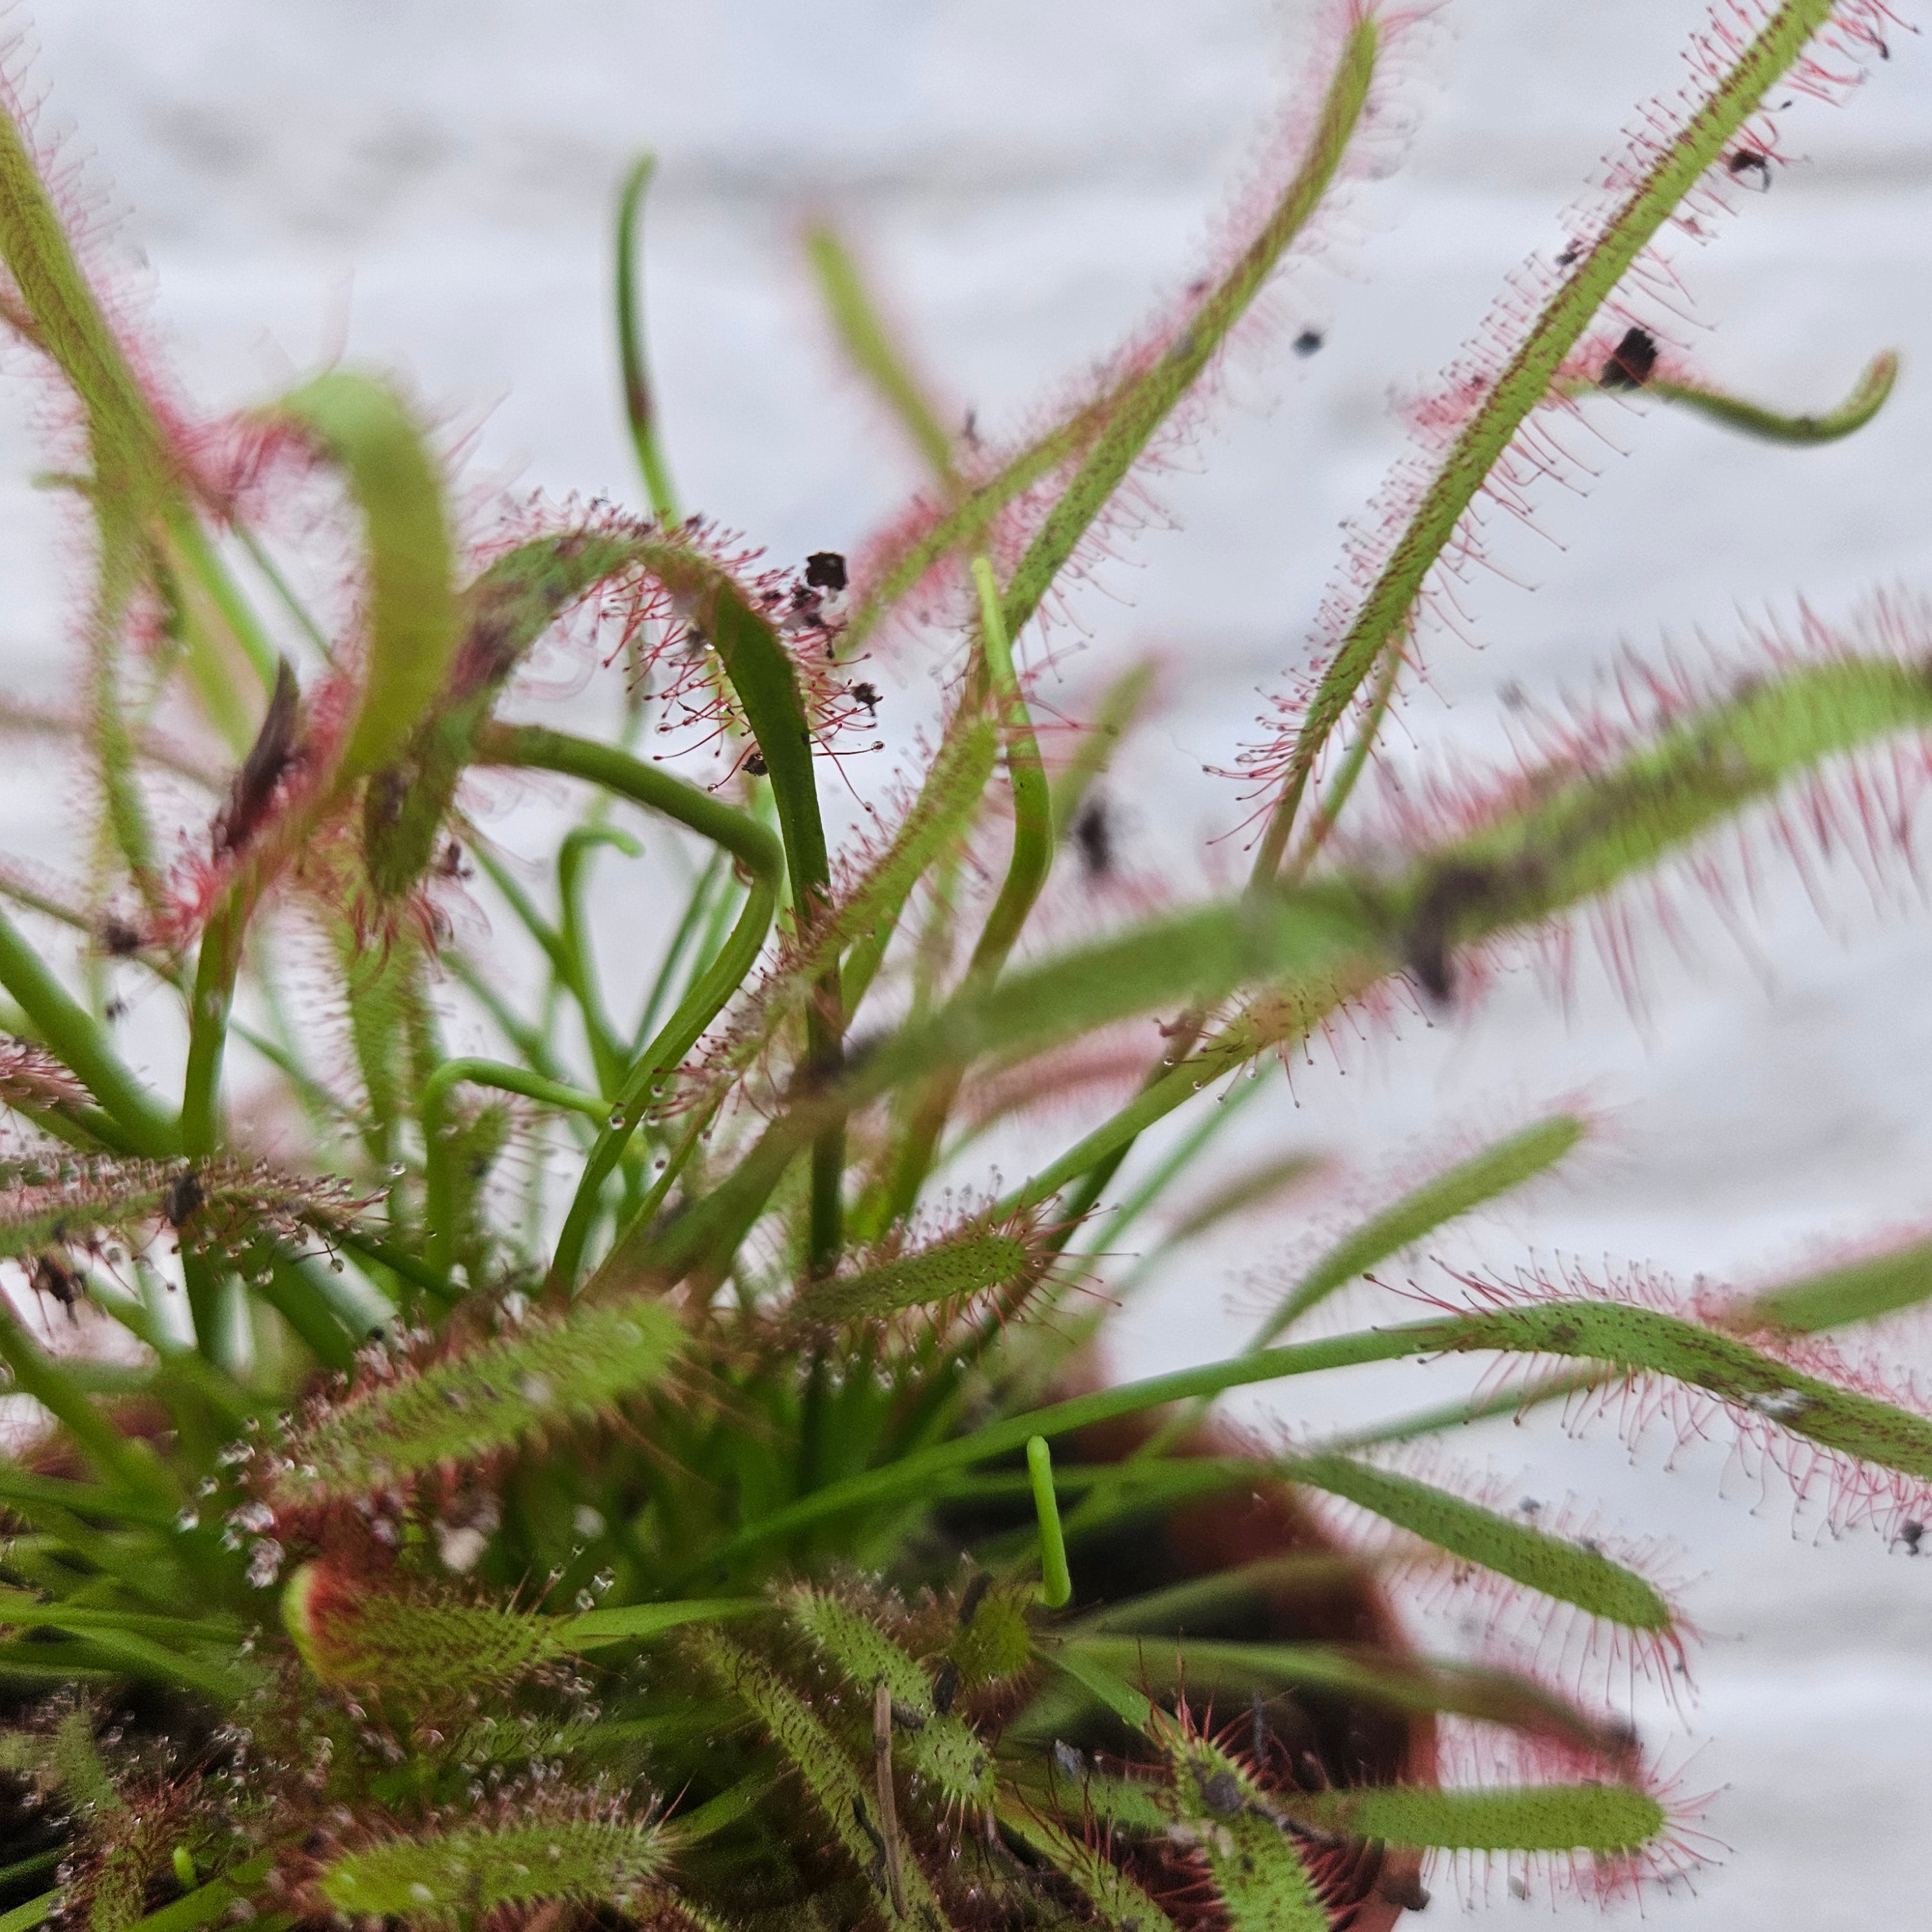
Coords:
pixel 122 1460
pixel 862 919
pixel 350 1631
pixel 129 447
pixel 954 1269
pixel 413 631
pixel 1580 834
pixel 830 1780
pixel 1645 1341
pixel 1469 1185
pixel 1861 1291
pixel 1867 397
pixel 548 1374
pixel 1131 421
pixel 763 858
pixel 1121 1904
pixel 1524 381
pixel 1568 1571
pixel 1605 1818
pixel 863 335
pixel 639 406
pixel 1120 705
pixel 35 1911
pixel 447 1877
pixel 500 616
pixel 72 1036
pixel 1400 1681
pixel 941 1748
pixel 1263 1884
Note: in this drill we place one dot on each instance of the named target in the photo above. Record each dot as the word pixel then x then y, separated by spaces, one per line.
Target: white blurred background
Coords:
pixel 424 188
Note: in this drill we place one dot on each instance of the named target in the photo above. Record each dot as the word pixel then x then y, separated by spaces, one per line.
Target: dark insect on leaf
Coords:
pixel 825 570
pixel 1911 1532
pixel 253 789
pixel 865 1823
pixel 1308 342
pixel 1399 1886
pixel 1742 161
pixel 1570 256
pixel 976 1595
pixel 1631 361
pixel 945 1688
pixel 118 939
pixel 1093 836
pixel 180 1197
pixel 1221 1794
pixel 907 1718
pixel 51 1276
pixel 1454 890
pixel 755 764
pixel 867 695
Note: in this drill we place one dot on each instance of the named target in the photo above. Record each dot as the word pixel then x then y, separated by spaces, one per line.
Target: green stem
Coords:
pixel 213 999
pixel 1056 1588
pixel 117 1458
pixel 193 547
pixel 1523 383
pixel 439 1192
pixel 639 407
pixel 913 1475
pixel 71 1032
pixel 862 332
pixel 747 841
pixel 691 927
pixel 260 556
pixel 1026 875
pixel 1350 771
pixel 606 1054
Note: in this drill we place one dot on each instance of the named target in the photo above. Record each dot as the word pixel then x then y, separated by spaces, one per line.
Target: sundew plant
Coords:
pixel 663 1472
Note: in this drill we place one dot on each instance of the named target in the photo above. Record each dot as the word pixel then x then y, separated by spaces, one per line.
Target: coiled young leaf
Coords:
pixel 481 1402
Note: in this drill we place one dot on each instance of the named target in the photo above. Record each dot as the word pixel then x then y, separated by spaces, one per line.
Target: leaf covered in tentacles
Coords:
pixel 376 1633
pixel 31 1076
pixel 997 1260
pixel 224 1206
pixel 539 1846
pixel 404 1420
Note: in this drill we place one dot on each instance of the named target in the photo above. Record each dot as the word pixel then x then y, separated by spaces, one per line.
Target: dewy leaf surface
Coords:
pixel 444 1876
pixel 546 1375
pixel 1645 1341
